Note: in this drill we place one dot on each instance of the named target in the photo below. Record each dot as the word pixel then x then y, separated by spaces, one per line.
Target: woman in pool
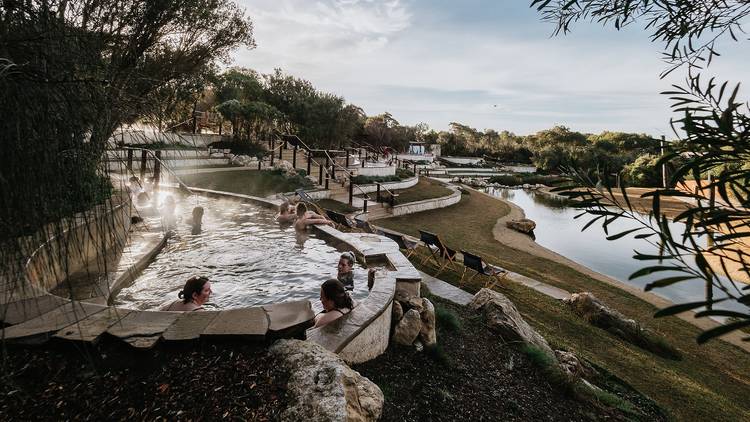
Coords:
pixel 286 214
pixel 196 292
pixel 335 300
pixel 345 270
pixel 307 218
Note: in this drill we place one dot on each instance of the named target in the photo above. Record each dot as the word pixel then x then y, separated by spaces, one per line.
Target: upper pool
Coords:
pixel 250 259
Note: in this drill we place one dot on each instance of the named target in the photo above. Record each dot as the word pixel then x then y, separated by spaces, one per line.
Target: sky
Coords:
pixel 487 64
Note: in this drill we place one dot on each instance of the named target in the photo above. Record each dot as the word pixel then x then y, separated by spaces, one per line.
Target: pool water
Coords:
pixel 250 259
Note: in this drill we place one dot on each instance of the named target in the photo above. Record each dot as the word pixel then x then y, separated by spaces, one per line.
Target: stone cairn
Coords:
pixel 414 321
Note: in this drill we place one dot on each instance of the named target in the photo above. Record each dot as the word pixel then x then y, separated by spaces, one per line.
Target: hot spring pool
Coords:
pixel 250 259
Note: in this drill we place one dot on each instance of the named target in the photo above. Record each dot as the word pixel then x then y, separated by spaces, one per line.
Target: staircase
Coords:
pixel 335 176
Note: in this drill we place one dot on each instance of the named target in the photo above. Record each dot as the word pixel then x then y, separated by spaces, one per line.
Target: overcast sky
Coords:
pixel 487 64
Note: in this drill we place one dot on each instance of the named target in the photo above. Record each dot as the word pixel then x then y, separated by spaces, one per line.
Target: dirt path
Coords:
pixel 519 241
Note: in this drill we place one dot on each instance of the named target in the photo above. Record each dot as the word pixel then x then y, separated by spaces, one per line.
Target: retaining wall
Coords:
pixel 427 204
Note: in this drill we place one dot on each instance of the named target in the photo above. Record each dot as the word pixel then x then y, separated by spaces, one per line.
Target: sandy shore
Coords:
pixel 524 243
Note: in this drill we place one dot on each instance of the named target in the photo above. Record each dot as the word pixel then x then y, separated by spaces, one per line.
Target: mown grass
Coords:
pixel 246 182
pixel 711 382
pixel 336 206
pixel 424 189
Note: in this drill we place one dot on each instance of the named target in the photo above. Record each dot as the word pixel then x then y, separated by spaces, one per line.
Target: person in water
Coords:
pixel 335 300
pixel 307 218
pixel 286 214
pixel 196 292
pixel 345 270
pixel 196 222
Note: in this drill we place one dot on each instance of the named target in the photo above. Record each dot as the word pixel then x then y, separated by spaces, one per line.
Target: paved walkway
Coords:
pixel 446 290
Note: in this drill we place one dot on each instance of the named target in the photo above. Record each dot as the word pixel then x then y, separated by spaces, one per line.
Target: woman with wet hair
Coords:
pixel 345 270
pixel 307 218
pixel 285 215
pixel 196 292
pixel 335 300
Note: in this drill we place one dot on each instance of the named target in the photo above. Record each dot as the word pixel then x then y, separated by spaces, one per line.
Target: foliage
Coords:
pixel 447 319
pixel 72 72
pixel 252 149
pixel 368 180
pixel 518 179
pixel 644 171
pixel 714 138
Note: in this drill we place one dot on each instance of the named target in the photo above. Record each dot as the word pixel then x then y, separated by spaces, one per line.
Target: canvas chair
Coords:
pixel 441 254
pixel 342 220
pixel 476 263
pixel 409 246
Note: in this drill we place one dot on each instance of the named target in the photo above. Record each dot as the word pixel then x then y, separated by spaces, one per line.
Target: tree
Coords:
pixel 72 72
pixel 712 128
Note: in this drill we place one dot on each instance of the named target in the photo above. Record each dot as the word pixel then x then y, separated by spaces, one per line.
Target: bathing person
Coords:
pixel 167 212
pixel 335 300
pixel 197 221
pixel 307 218
pixel 286 214
pixel 345 274
pixel 196 292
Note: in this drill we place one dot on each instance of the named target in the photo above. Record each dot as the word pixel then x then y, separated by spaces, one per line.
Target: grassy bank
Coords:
pixel 246 182
pixel 710 383
pixel 424 189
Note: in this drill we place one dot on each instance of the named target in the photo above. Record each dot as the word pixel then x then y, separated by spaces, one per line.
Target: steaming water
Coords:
pixel 250 259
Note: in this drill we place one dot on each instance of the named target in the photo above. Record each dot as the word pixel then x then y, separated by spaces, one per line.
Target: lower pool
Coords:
pixel 250 259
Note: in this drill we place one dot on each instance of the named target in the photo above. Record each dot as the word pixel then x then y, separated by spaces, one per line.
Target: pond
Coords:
pixel 557 230
pixel 250 259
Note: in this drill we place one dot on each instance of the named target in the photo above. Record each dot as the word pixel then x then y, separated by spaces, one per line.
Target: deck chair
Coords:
pixel 476 263
pixel 409 246
pixel 341 220
pixel 441 254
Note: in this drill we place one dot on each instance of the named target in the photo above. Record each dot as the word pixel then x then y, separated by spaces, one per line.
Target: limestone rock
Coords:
pixel 408 328
pixel 572 366
pixel 588 307
pixel 284 165
pixel 523 225
pixel 504 319
pixel 415 303
pixel 322 387
pixel 427 333
pixel 397 312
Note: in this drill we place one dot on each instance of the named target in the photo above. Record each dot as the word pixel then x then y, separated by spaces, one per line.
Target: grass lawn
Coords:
pixel 711 382
pixel 246 182
pixel 424 189
pixel 337 206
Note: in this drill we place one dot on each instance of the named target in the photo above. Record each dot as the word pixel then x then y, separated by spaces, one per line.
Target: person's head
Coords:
pixel 333 295
pixel 197 215
pixel 142 198
pixel 197 289
pixel 284 208
pixel 301 209
pixel 346 262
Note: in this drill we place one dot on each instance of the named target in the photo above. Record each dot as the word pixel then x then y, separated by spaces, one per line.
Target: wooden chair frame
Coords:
pixel 480 267
pixel 438 251
pixel 403 243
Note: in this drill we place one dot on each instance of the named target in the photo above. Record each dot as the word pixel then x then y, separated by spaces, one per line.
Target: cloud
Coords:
pixel 441 61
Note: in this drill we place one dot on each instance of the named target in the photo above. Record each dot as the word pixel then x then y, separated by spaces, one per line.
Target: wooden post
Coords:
pixel 129 164
pixel 415 169
pixel 281 150
pixel 364 207
pixel 309 162
pixel 328 175
pixel 294 157
pixel 320 174
pixel 377 194
pixel 273 145
pixel 260 162
pixel 144 157
pixel 347 158
pixel 351 192
pixel 157 170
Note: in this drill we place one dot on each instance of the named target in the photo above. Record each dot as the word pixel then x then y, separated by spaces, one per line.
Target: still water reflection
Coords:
pixel 558 231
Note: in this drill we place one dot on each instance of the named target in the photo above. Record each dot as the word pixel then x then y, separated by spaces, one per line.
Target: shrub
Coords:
pixel 253 149
pixel 447 319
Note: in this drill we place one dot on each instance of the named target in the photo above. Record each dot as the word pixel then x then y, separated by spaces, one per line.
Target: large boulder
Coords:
pixel 596 313
pixel 397 312
pixel 504 319
pixel 427 333
pixel 408 328
pixel 523 225
pixel 574 367
pixel 322 387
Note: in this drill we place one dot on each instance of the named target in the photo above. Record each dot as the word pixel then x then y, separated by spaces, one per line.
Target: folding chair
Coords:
pixel 438 251
pixel 476 263
pixel 341 220
pixel 403 243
